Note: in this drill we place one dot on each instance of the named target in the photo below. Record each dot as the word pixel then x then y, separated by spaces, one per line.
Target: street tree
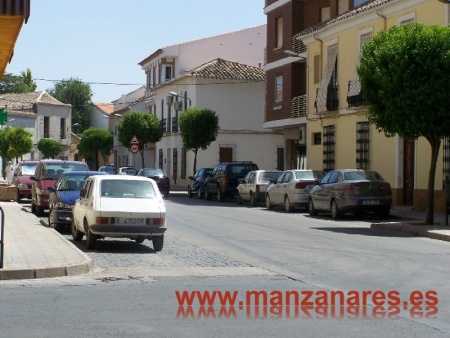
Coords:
pixel 18 84
pixel 77 93
pixel 199 127
pixel 20 142
pixel 146 127
pixel 4 146
pixel 95 141
pixel 404 75
pixel 49 147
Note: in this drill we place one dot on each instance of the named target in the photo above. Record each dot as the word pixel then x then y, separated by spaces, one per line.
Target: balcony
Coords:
pixel 332 98
pixel 298 106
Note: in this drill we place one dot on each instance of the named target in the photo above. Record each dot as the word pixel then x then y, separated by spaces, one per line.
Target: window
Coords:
pixel 166 73
pixel 46 127
pixel 407 19
pixel 183 163
pixel 342 6
pixel 329 147
pixel 175 163
pixel 363 145
pixel 316 68
pixel 354 94
pixel 325 14
pixel 279 32
pixel 317 138
pixel 278 90
pixel 63 128
pixel 160 158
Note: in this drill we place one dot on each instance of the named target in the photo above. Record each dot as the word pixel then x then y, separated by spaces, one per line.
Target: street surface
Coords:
pixel 212 246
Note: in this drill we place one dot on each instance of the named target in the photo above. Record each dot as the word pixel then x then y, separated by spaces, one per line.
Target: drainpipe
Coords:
pixel 385 18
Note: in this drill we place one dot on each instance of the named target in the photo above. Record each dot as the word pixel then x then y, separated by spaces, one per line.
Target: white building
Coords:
pixel 236 93
pixel 41 114
pixel 237 99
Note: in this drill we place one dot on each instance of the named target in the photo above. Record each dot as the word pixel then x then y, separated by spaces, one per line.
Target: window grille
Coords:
pixel 175 163
pixel 160 158
pixel 363 145
pixel 46 127
pixel 446 157
pixel 329 147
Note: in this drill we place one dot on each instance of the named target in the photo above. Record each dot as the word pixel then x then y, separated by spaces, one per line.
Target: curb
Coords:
pixel 425 231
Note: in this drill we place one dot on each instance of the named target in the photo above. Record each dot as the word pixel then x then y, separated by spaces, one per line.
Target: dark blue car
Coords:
pixel 63 194
pixel 197 182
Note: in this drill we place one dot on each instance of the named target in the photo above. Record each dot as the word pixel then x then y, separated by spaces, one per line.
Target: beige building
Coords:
pixel 339 135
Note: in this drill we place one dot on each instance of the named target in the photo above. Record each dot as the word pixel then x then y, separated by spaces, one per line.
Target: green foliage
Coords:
pixel 18 84
pixel 404 79
pixel 146 127
pixel 4 144
pixel 94 141
pixel 49 148
pixel 199 127
pixel 20 141
pixel 73 91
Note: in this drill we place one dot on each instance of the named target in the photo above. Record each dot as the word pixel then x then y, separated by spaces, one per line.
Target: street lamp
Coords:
pixel 183 97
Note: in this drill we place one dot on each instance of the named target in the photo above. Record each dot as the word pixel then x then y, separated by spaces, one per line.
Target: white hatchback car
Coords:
pixel 253 186
pixel 120 206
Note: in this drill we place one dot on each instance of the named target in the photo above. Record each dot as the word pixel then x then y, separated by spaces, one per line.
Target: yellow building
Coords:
pixel 339 135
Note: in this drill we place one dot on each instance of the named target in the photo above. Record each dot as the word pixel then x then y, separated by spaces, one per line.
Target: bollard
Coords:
pixel 2 236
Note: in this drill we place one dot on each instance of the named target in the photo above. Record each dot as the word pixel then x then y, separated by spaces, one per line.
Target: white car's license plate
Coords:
pixel 124 220
pixel 371 202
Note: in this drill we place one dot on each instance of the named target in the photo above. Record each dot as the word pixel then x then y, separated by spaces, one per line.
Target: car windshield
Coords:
pixel 127 189
pixel 72 182
pixel 308 175
pixel 269 175
pixel 127 171
pixel 54 170
pixel 152 172
pixel 28 169
pixel 362 175
pixel 108 169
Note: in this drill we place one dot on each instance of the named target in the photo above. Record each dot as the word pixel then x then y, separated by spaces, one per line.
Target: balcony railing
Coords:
pixel 164 125
pixel 174 124
pixel 332 98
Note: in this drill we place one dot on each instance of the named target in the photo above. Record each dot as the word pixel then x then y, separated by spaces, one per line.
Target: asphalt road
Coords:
pixel 221 246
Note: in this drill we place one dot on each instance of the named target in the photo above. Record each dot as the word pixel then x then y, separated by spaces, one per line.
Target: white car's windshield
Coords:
pixel 127 189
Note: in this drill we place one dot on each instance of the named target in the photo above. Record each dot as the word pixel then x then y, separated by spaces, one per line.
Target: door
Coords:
pixel 408 171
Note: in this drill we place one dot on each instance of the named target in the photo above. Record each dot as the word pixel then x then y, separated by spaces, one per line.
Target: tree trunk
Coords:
pixel 142 157
pixel 435 143
pixel 195 161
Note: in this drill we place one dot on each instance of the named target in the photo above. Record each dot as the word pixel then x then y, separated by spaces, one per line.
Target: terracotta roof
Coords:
pixel 25 101
pixel 358 10
pixel 221 69
pixel 107 108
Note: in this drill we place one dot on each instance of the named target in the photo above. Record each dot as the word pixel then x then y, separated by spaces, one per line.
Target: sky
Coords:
pixel 101 42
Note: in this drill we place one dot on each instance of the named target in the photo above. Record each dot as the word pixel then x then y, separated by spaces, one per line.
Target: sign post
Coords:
pixel 134 145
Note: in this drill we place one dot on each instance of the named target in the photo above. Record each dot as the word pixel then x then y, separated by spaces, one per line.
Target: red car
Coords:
pixel 21 179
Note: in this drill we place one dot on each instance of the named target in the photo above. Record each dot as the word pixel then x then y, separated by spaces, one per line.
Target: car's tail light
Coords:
pixel 154 221
pixel 202 180
pixel 225 180
pixel 352 187
pixel 164 180
pixel 257 188
pixel 102 220
pixel 302 185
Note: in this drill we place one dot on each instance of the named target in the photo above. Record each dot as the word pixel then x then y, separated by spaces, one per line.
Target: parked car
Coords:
pixel 160 177
pixel 223 179
pixel 119 206
pixel 351 190
pixel 109 169
pixel 22 179
pixel 253 186
pixel 63 194
pixel 291 189
pixel 197 182
pixel 47 172
pixel 126 171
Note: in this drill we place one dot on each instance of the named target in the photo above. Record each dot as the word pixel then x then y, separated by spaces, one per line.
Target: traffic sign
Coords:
pixel 134 140
pixel 134 148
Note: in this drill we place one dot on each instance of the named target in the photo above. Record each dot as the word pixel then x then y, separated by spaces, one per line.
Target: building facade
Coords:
pixel 339 134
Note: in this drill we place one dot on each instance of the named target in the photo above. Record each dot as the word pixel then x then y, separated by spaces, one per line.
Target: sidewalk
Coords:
pixel 32 250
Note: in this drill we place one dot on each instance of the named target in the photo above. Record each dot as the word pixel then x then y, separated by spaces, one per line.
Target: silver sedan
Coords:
pixel 292 188
pixel 351 190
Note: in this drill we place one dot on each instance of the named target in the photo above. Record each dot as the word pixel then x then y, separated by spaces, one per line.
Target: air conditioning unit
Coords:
pixel 178 105
pixel 169 99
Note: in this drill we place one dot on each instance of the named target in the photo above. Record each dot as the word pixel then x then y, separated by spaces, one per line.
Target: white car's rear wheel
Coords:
pixel 269 205
pixel 158 243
